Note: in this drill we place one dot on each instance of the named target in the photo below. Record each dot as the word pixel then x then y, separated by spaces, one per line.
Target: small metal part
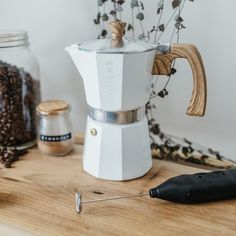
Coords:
pixel 114 198
pixel 78 202
pixel 163 48
pixel 93 132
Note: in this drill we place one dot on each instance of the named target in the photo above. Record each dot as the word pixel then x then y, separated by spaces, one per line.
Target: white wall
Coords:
pixel 54 24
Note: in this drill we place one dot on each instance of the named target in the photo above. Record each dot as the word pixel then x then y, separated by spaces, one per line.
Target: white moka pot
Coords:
pixel 117 75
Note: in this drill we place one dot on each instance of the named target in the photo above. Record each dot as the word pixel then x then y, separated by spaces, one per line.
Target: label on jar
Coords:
pixel 58 138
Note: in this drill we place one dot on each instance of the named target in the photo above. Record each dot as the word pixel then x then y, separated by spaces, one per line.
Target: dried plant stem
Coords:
pixel 177 31
pixel 120 16
pixel 100 25
pixel 114 8
pixel 141 23
pixel 104 11
pixel 132 20
pixel 179 9
pixel 167 24
pixel 158 24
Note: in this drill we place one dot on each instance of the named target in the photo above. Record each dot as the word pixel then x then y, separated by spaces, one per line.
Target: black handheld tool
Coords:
pixel 198 188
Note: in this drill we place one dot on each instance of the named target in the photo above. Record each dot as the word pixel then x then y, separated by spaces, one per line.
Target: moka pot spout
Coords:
pixel 80 59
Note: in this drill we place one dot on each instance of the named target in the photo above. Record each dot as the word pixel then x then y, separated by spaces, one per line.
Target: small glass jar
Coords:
pixel 55 135
pixel 19 91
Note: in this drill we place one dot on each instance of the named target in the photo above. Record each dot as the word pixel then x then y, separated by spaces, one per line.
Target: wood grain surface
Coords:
pixel 37 197
pixel 162 66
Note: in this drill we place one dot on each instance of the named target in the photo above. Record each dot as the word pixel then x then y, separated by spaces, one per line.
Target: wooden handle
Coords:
pixel 117 29
pixel 162 66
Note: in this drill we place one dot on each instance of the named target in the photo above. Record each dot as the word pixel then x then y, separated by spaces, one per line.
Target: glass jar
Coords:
pixel 55 135
pixel 19 91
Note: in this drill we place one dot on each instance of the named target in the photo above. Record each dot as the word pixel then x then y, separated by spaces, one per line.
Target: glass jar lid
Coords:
pixel 53 107
pixel 13 38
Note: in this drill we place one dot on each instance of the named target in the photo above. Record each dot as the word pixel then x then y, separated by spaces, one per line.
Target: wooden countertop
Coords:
pixel 37 197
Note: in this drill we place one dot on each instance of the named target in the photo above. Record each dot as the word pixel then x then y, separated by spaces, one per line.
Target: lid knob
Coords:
pixel 117 28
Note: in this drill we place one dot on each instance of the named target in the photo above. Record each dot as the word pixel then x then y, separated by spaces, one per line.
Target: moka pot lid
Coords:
pixel 129 46
pixel 117 44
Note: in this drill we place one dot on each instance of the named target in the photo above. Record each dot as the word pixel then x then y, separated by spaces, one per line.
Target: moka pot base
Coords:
pixel 117 152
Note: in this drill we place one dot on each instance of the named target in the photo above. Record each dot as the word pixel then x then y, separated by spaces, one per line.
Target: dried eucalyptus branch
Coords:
pixel 131 27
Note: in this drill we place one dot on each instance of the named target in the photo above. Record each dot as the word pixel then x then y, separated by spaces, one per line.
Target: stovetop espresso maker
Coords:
pixel 117 75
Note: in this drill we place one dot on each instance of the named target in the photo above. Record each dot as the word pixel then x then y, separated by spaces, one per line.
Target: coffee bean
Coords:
pixel 7 164
pixel 8 156
pixel 17 105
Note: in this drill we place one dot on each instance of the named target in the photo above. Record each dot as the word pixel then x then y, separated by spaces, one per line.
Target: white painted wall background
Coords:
pixel 54 24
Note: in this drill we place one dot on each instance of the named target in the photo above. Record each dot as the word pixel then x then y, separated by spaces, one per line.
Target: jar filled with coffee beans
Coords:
pixel 19 91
